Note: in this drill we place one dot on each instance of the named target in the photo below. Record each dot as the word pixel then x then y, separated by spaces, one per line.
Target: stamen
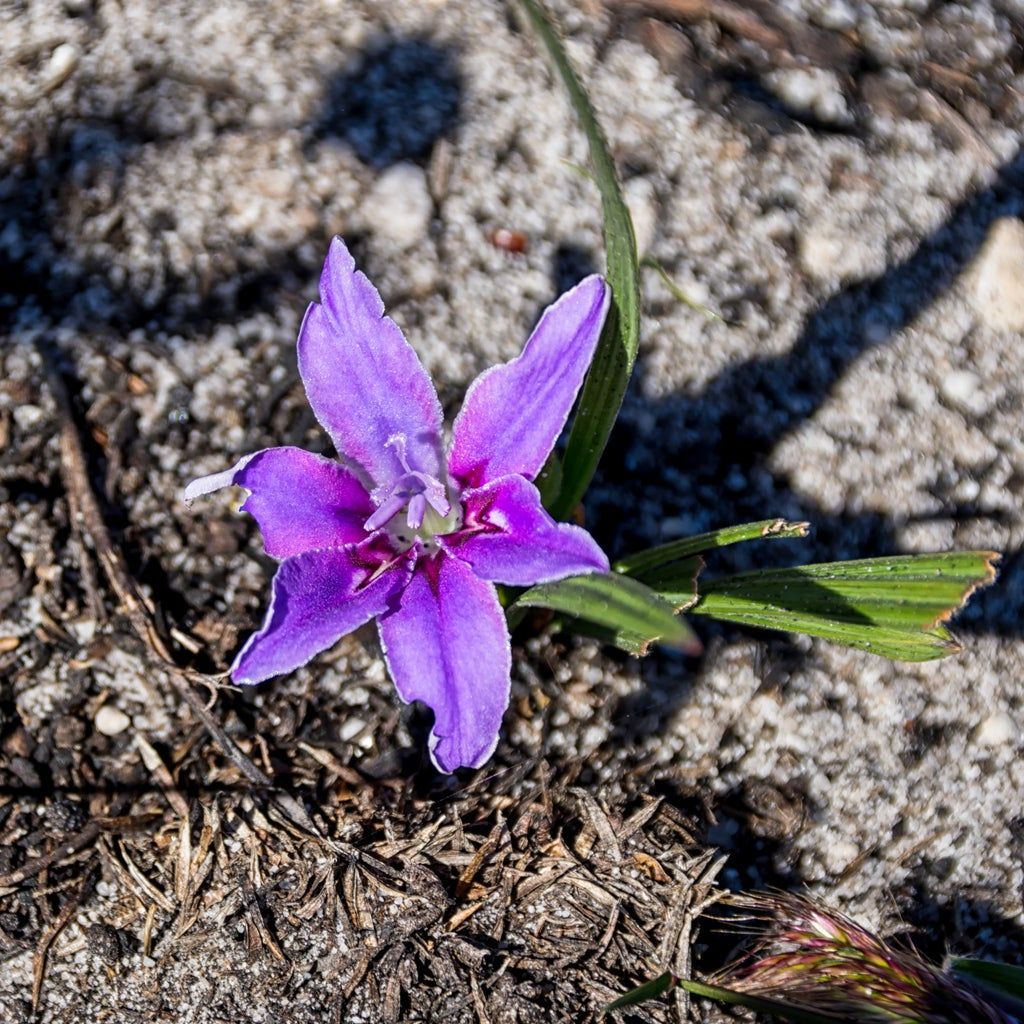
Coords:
pixel 418 493
pixel 417 509
pixel 385 513
pixel 437 497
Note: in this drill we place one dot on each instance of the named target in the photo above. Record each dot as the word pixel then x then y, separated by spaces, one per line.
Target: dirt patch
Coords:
pixel 825 178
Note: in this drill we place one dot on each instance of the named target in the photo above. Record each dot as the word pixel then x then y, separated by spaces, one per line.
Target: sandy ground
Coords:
pixel 170 175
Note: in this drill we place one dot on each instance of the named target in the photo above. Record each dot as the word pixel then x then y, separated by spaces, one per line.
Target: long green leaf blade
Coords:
pixel 1007 978
pixel 643 993
pixel 1001 982
pixel 776 1007
pixel 633 643
pixel 615 604
pixel 666 982
pixel 613 361
pixel 654 558
pixel 895 606
pixel 899 645
pixel 676 582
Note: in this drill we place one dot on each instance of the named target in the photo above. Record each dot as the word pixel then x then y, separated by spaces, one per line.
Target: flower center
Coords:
pixel 433 525
pixel 431 510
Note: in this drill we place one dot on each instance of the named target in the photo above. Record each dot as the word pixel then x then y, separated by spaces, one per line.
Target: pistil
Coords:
pixel 430 509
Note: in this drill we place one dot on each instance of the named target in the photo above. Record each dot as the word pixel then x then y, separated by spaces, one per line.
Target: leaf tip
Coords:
pixel 992 560
pixel 986 577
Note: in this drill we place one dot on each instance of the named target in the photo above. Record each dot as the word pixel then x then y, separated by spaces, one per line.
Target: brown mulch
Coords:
pixel 511 899
pixel 352 888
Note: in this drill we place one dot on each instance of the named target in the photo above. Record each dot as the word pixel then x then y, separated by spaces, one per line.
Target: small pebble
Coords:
pixel 840 854
pixel 111 721
pixel 400 206
pixel 350 729
pixel 63 61
pixel 84 630
pixel 961 389
pixel 28 416
pixel 996 731
pixel 837 15
pixel 828 252
pixel 107 942
pixel 813 91
pixel 508 240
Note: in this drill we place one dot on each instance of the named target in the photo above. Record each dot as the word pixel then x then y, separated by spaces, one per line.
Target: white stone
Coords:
pixel 830 253
pixel 28 416
pixel 961 389
pixel 840 854
pixel 62 62
pixel 996 731
pixel 350 729
pixel 812 91
pixel 111 721
pixel 837 15
pixel 998 276
pixel 399 207
pixel 84 630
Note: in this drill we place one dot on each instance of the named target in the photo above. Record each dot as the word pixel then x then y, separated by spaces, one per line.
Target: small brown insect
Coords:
pixel 507 239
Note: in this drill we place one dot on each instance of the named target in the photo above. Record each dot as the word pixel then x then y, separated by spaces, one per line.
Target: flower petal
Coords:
pixel 508 537
pixel 302 501
pixel 513 413
pixel 317 598
pixel 447 645
pixel 363 379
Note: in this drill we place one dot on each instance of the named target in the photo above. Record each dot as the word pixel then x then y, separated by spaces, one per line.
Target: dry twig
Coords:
pixel 136 605
pixel 50 936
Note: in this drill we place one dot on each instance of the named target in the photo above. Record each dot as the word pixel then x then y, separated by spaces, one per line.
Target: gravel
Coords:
pixel 170 175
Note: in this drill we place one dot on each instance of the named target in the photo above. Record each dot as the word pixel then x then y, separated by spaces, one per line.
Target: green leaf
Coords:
pixel 633 643
pixel 895 606
pixel 676 582
pixel 616 350
pixel 776 1007
pixel 666 982
pixel 1007 978
pixel 1001 982
pixel 654 558
pixel 643 993
pixel 625 611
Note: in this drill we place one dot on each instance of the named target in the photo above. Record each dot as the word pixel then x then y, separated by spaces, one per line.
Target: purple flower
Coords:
pixel 404 531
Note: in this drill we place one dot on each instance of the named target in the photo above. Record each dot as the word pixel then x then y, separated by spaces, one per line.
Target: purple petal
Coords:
pixel 513 413
pixel 447 645
pixel 363 380
pixel 302 501
pixel 508 537
pixel 316 599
